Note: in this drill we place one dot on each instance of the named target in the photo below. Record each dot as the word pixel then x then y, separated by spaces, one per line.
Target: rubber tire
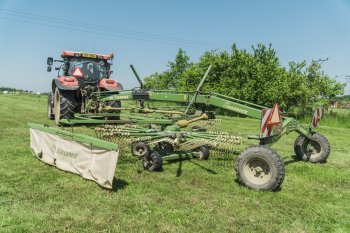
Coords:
pixel 135 146
pixel 271 158
pixel 50 113
pixel 165 148
pixel 114 104
pixel 204 152
pixel 301 142
pixel 153 161
pixel 64 105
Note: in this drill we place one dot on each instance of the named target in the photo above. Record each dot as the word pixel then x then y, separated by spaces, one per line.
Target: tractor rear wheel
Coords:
pixel 64 105
pixel 50 113
pixel 260 167
pixel 153 161
pixel 315 150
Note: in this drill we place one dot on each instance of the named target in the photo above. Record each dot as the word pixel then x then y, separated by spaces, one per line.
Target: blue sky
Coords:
pixel 298 30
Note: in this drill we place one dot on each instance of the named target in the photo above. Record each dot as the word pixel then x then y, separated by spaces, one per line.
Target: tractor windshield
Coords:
pixel 91 70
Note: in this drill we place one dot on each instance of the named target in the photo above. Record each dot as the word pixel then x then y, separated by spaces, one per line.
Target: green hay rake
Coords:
pixel 165 133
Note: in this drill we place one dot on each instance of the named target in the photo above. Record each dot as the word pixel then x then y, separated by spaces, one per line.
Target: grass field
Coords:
pixel 188 196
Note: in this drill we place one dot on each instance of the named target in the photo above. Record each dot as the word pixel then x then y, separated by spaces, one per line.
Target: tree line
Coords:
pixel 11 89
pixel 255 76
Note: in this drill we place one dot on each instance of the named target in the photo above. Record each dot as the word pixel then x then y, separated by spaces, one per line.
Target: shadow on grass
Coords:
pixel 179 169
pixel 118 184
pixel 204 168
pixel 296 160
pixel 291 160
pixel 278 189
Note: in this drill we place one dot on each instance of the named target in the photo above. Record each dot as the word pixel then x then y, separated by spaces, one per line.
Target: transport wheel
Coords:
pixel 50 113
pixel 165 147
pixel 260 167
pixel 315 150
pixel 64 105
pixel 203 152
pixel 140 149
pixel 114 104
pixel 152 162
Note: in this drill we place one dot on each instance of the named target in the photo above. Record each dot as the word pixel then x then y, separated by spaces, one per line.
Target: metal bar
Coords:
pixel 238 100
pixel 75 137
pixel 198 89
pixel 121 96
pixel 137 76
pixel 180 155
pixel 235 107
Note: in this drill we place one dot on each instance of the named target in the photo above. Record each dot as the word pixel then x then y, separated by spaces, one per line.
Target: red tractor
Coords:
pixel 79 75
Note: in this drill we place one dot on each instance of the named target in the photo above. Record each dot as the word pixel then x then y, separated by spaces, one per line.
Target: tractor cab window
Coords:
pixel 92 70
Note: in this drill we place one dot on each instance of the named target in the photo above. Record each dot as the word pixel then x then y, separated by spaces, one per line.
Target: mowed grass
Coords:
pixel 188 196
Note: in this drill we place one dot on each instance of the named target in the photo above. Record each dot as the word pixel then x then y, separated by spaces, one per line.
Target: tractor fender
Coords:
pixel 110 85
pixel 64 85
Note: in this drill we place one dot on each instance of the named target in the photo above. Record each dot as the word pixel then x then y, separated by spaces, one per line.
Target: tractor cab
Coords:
pixel 86 67
pixel 79 75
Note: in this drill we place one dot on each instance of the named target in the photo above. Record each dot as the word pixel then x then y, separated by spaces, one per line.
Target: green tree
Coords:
pixel 170 78
pixel 256 76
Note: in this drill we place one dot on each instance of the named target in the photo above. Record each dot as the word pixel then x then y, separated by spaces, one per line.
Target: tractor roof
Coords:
pixel 87 55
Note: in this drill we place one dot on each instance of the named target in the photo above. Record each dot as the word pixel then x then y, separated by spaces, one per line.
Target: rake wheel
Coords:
pixel 152 162
pixel 315 150
pixel 260 167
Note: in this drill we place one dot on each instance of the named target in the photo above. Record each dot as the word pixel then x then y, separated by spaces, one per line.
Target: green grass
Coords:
pixel 188 196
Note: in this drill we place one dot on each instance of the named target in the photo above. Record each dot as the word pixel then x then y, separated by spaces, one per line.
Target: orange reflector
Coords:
pixel 109 81
pixel 69 79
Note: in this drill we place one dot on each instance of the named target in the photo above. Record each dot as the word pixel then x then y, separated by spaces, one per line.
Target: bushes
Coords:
pixel 257 77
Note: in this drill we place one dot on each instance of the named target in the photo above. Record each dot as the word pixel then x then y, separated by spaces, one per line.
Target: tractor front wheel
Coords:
pixel 50 113
pixel 315 150
pixel 260 167
pixel 153 161
pixel 64 105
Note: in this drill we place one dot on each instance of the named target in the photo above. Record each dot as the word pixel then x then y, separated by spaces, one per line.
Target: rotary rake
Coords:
pixel 184 131
pixel 154 145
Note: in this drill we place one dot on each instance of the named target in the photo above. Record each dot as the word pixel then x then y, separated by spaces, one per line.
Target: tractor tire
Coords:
pixel 315 150
pixel 140 149
pixel 260 167
pixel 152 162
pixel 203 152
pixel 50 113
pixel 114 104
pixel 64 105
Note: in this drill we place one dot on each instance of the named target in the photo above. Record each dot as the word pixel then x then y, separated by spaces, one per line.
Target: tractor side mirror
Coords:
pixel 49 68
pixel 49 61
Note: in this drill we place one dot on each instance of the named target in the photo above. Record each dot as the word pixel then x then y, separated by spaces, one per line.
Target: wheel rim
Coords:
pixel 49 112
pixel 140 150
pixel 312 149
pixel 147 162
pixel 57 106
pixel 257 170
